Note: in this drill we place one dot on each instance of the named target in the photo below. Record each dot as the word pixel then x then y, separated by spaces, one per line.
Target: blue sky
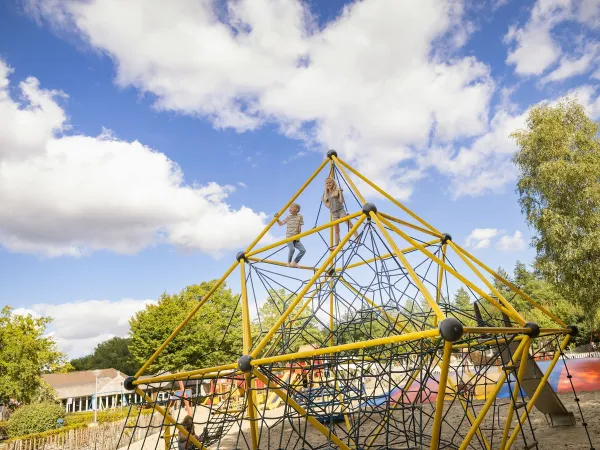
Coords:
pixel 154 142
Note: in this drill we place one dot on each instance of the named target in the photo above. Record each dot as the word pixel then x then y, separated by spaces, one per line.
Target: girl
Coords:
pixel 184 441
pixel 334 200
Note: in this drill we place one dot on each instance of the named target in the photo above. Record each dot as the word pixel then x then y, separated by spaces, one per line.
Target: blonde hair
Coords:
pixel 335 190
pixel 296 205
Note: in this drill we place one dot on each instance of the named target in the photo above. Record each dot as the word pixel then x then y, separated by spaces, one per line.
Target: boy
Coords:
pixel 294 226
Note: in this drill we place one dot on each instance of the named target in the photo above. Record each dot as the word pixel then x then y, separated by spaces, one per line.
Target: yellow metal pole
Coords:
pixel 438 293
pixel 439 404
pixel 331 299
pixel 485 281
pixel 515 394
pixel 304 234
pixel 246 347
pixel 491 399
pixel 350 183
pixel 305 289
pixel 389 197
pixel 185 321
pixel 453 272
pixel 513 287
pixel 432 304
pixel 282 210
pixel 385 256
pixel 300 410
pixel 170 420
pixel 410 225
pixel 278 263
pixel 537 393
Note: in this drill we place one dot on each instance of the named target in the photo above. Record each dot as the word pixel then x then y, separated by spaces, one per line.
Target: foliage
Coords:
pixel 462 301
pixel 213 336
pixel 26 353
pixel 103 416
pixel 45 434
pixel 35 418
pixel 3 429
pixel 559 193
pixel 113 353
pixel 269 313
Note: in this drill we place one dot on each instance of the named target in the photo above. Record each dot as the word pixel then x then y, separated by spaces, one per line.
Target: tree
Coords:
pixel 25 354
pixel 559 193
pixel 113 353
pixel 212 337
pixel 462 301
pixel 295 331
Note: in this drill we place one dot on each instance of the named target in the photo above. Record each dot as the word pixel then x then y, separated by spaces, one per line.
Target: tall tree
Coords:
pixel 462 301
pixel 113 353
pixel 559 193
pixel 212 337
pixel 25 354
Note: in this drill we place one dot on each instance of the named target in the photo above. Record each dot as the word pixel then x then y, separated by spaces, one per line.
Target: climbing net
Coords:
pixel 363 347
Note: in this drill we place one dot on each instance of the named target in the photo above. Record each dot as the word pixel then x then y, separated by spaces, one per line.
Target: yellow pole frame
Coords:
pixel 512 287
pixel 453 272
pixel 410 225
pixel 516 391
pixel 246 346
pixel 331 299
pixel 278 263
pixel 386 195
pixel 485 281
pixel 300 410
pixel 439 404
pixel 438 293
pixel 432 304
pixel 491 399
pixel 537 393
pixel 305 289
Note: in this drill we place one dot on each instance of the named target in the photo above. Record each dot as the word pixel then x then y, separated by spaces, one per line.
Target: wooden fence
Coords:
pixel 105 436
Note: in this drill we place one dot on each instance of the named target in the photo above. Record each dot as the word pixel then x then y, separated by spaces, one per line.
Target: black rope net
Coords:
pixel 338 372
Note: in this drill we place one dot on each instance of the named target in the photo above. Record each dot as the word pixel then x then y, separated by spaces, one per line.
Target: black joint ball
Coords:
pixel 128 383
pixel 535 329
pixel 445 238
pixel 574 330
pixel 331 153
pixel 244 363
pixel 331 272
pixel 368 208
pixel 240 256
pixel 451 329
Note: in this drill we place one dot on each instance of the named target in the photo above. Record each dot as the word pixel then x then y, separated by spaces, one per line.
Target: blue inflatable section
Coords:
pixel 543 365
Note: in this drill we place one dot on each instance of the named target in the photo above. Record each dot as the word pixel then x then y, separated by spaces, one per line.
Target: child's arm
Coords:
pixel 279 222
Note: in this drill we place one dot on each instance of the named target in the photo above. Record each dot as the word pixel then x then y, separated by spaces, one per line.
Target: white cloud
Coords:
pixel 73 194
pixel 514 243
pixel 481 237
pixel 576 65
pixel 378 82
pixel 79 326
pixel 534 47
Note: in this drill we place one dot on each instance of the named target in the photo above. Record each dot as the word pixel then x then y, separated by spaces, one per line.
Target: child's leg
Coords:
pixel 301 251
pixel 291 251
pixel 350 225
pixel 336 233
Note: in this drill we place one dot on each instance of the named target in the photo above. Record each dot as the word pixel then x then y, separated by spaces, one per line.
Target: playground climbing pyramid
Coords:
pixel 360 346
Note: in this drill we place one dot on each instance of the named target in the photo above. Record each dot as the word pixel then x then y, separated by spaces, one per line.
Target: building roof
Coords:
pixel 83 383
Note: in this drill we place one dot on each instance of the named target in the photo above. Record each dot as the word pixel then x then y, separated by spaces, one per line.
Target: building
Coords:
pixel 77 390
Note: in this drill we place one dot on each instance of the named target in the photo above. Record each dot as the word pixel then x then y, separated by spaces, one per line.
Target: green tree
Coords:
pixel 559 193
pixel 462 301
pixel 113 353
pixel 212 337
pixel 298 329
pixel 25 354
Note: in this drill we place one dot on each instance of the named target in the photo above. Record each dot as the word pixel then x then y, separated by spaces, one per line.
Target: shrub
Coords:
pixel 103 416
pixel 3 430
pixel 45 434
pixel 35 418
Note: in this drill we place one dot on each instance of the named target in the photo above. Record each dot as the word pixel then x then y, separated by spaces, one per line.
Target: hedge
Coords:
pixel 103 416
pixel 35 418
pixel 3 429
pixel 48 433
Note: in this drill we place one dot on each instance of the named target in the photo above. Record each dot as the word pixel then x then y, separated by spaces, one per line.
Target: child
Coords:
pixel 294 226
pixel 334 200
pixel 184 441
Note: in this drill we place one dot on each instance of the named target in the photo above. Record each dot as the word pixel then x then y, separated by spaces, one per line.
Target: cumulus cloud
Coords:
pixel 481 237
pixel 514 243
pixel 379 82
pixel 534 47
pixel 78 327
pixel 66 194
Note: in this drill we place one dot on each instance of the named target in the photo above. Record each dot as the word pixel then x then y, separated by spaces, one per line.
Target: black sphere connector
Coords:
pixel 535 329
pixel 574 330
pixel 331 272
pixel 128 383
pixel 445 238
pixel 368 208
pixel 331 153
pixel 240 256
pixel 244 363
pixel 451 329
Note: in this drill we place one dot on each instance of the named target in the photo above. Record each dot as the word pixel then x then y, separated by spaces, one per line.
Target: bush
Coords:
pixel 35 418
pixel 45 434
pixel 103 416
pixel 3 430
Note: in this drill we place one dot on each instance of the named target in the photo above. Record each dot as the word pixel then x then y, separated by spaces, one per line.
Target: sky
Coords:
pixel 144 143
